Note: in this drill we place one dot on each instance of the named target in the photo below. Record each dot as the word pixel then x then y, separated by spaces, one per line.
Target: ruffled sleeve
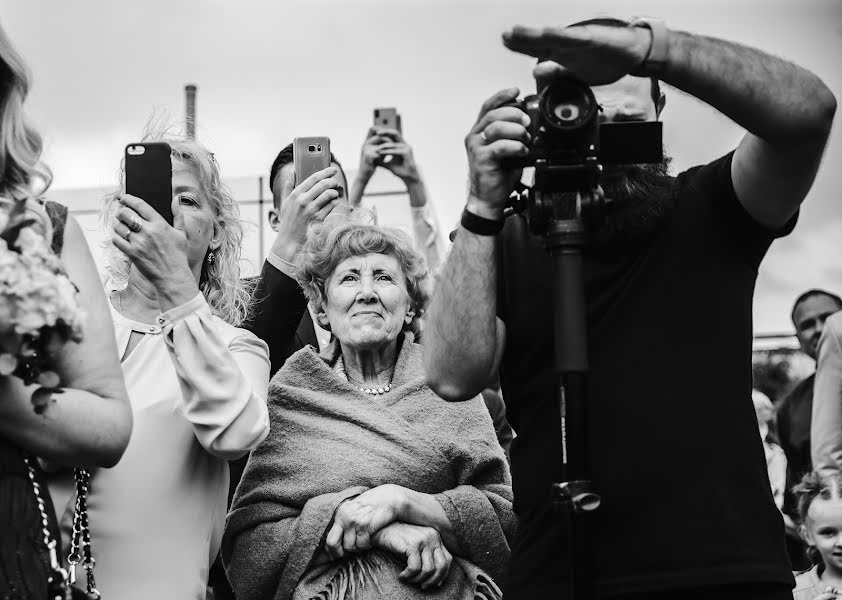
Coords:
pixel 224 380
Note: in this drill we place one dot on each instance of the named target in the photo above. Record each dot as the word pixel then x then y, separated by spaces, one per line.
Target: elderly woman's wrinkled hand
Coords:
pixel 427 559
pixel 156 249
pixel 358 519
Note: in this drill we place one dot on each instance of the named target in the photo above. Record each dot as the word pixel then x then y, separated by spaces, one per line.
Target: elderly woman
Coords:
pixel 369 485
pixel 197 384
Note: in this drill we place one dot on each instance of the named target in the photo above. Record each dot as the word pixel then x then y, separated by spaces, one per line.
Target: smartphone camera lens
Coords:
pixel 311 148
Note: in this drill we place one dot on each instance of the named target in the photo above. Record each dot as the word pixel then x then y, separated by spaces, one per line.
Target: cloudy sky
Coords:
pixel 270 70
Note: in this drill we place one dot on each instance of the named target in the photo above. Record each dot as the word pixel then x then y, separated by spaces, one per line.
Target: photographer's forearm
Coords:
pixel 460 337
pixel 772 98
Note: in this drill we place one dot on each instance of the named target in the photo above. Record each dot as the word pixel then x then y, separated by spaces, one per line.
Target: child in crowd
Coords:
pixel 820 509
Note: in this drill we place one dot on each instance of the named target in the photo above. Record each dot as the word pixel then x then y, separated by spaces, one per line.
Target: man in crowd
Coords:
pixel 669 279
pixel 809 313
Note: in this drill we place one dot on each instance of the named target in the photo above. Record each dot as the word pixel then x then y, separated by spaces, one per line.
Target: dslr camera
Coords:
pixel 569 149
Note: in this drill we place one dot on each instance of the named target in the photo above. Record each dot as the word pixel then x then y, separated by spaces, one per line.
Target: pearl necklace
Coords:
pixel 371 391
pixel 376 391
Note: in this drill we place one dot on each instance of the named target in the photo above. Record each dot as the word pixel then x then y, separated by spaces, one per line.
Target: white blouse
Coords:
pixel 198 390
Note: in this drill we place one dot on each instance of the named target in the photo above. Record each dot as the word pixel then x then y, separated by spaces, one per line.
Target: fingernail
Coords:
pixel 526 120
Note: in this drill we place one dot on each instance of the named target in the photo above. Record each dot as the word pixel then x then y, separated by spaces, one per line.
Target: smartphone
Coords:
pixel 149 176
pixel 310 155
pixel 387 117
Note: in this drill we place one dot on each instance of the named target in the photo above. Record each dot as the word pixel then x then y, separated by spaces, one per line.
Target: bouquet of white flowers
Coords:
pixel 39 310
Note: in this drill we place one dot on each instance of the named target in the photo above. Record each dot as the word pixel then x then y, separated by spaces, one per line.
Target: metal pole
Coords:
pixel 260 219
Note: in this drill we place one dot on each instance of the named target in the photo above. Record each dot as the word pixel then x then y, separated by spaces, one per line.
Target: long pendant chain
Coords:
pixel 57 588
pixel 82 535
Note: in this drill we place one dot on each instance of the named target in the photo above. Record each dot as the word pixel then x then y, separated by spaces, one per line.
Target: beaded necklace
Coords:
pixel 371 391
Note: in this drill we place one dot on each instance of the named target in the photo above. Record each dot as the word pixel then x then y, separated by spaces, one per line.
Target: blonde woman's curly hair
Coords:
pixel 23 177
pixel 220 282
pixel 326 247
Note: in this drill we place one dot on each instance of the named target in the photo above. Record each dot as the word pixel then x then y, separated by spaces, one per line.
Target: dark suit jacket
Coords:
pixel 279 316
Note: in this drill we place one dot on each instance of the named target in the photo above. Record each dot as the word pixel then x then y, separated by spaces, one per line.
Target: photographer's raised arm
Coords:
pixel 464 339
pixel 786 109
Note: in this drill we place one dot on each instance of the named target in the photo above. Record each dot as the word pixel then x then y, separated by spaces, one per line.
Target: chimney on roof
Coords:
pixel 190 110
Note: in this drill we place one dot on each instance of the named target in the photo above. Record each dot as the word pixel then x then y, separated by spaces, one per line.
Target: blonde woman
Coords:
pixel 90 422
pixel 197 384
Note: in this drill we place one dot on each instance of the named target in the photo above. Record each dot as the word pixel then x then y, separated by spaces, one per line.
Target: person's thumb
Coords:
pixel 177 217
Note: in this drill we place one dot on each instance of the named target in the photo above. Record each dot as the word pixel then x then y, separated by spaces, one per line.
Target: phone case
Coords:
pixel 149 176
pixel 309 155
pixel 387 117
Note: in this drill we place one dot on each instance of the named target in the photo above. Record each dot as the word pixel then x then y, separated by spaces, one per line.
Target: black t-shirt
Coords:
pixel 675 450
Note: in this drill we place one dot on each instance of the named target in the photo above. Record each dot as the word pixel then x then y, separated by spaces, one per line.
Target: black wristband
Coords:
pixel 480 225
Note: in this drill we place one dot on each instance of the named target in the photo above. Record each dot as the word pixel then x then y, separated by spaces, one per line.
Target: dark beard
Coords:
pixel 637 205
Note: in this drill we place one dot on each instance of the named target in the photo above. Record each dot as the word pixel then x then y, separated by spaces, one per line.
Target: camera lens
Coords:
pixel 567 107
pixel 566 112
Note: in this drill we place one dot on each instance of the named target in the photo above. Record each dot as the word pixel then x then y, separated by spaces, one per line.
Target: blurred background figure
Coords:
pixel 794 414
pixel 197 383
pixel 387 148
pixel 775 457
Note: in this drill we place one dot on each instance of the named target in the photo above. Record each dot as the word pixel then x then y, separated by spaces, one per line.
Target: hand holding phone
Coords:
pixel 387 118
pixel 310 155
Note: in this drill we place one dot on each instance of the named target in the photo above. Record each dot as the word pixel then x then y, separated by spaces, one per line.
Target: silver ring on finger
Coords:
pixel 128 233
pixel 136 224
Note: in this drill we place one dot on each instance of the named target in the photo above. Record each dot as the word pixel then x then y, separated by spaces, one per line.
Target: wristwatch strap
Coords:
pixel 480 225
pixel 656 58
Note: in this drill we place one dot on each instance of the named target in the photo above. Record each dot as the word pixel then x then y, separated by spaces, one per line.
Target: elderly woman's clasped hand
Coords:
pixel 358 519
pixel 374 518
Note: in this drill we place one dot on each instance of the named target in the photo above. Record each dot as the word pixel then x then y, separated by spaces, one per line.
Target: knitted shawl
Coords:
pixel 329 442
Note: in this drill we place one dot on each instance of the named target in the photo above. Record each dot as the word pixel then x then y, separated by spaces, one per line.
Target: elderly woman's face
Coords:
pixel 366 301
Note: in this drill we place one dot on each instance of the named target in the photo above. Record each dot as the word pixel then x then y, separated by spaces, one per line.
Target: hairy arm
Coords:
pixel 786 110
pixel 90 423
pixel 464 339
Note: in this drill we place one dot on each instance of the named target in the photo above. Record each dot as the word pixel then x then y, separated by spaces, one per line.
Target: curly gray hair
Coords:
pixel 326 247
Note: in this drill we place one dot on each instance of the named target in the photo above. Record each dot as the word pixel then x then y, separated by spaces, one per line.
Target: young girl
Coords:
pixel 820 509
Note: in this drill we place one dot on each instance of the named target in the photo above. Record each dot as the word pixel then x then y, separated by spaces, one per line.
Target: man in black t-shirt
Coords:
pixel 669 280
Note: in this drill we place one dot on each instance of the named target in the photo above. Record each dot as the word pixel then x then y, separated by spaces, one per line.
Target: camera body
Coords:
pixel 569 147
pixel 564 125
